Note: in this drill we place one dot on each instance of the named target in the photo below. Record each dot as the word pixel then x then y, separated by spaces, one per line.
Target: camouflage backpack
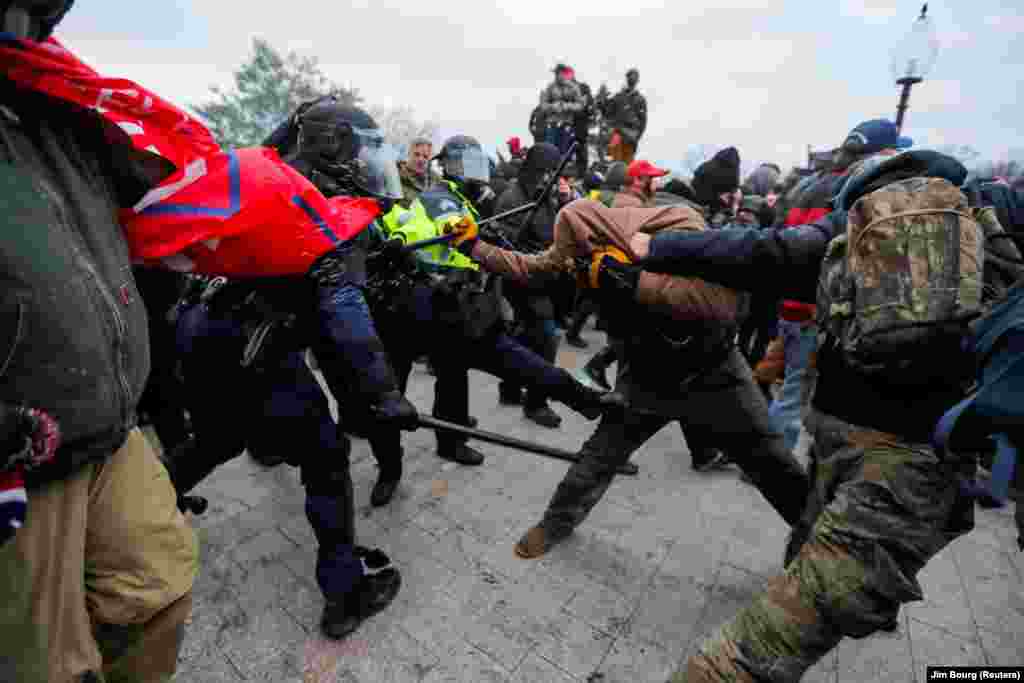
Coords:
pixel 901 286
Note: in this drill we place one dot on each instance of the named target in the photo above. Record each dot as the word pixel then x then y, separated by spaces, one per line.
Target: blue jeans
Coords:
pixel 799 340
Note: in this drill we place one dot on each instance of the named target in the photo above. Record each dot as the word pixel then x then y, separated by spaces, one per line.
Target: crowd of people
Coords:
pixel 877 302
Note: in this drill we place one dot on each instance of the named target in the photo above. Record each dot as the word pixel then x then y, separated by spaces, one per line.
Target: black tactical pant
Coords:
pixel 537 332
pixel 724 401
pixel 453 356
pixel 582 155
pixel 700 441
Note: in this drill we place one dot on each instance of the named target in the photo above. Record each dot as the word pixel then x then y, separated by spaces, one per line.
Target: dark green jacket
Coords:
pixel 73 329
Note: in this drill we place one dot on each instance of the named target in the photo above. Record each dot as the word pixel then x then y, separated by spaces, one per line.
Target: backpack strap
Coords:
pixel 1016 239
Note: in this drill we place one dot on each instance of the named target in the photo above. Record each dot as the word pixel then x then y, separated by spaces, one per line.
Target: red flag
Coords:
pixel 238 213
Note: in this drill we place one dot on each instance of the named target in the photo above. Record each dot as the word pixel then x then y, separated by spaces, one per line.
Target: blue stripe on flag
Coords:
pixel 234 198
pixel 316 218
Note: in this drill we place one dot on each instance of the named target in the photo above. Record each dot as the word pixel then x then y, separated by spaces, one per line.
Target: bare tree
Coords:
pixel 401 126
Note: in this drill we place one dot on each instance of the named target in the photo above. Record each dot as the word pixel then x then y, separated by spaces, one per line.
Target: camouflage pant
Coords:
pixel 878 511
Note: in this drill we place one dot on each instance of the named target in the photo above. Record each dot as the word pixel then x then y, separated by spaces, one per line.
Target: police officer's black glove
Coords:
pixel 393 411
pixel 391 257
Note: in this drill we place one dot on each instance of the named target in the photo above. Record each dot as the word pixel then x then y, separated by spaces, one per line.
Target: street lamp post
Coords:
pixel 913 59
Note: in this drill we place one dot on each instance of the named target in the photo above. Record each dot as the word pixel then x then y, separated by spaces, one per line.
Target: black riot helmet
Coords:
pixel 344 143
pixel 541 161
pixel 32 19
pixel 463 160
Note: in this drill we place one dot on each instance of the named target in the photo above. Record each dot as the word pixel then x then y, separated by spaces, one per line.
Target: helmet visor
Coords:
pixel 469 164
pixel 378 164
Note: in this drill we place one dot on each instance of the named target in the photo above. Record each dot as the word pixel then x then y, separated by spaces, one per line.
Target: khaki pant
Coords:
pixel 99 579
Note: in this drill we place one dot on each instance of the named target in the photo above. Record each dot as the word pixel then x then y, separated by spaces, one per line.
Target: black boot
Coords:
pixel 387 484
pixel 509 395
pixel 461 453
pixel 375 591
pixel 543 415
pixel 584 400
pixel 576 341
pixel 267 459
pixel 710 459
pixel 597 367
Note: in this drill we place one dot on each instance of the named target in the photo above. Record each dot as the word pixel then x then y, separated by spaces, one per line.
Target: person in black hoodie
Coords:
pixel 884 501
pixel 533 304
pixel 716 183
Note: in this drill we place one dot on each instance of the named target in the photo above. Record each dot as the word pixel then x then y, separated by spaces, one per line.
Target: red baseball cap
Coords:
pixel 645 169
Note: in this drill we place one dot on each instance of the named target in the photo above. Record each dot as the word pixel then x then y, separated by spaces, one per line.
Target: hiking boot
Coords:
pixel 713 459
pixel 462 454
pixel 509 396
pixel 375 591
pixel 384 489
pixel 597 376
pixel 538 541
pixel 577 342
pixel 544 416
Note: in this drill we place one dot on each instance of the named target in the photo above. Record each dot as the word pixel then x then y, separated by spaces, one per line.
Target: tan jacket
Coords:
pixel 412 184
pixel 585 225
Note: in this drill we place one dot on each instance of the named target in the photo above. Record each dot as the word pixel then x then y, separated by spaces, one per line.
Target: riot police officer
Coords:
pixel 456 309
pixel 242 349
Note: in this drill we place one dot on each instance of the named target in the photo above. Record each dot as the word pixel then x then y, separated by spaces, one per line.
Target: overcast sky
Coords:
pixel 743 72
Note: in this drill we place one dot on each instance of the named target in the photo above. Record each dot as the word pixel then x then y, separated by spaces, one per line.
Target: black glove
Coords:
pixel 391 256
pixel 618 280
pixel 393 411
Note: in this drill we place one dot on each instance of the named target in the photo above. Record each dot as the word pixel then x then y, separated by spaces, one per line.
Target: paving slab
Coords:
pixel 663 561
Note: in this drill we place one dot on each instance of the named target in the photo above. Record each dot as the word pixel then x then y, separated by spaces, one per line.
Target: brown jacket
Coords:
pixel 585 225
pixel 413 185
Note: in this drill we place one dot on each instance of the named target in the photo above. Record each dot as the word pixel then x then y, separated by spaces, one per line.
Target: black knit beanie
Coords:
pixel 719 174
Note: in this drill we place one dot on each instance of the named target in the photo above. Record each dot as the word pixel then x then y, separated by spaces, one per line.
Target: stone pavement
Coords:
pixel 664 559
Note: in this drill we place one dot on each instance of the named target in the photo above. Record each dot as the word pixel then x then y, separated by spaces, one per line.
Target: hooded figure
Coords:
pixel 763 180
pixel 718 176
pixel 541 161
pixel 533 304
